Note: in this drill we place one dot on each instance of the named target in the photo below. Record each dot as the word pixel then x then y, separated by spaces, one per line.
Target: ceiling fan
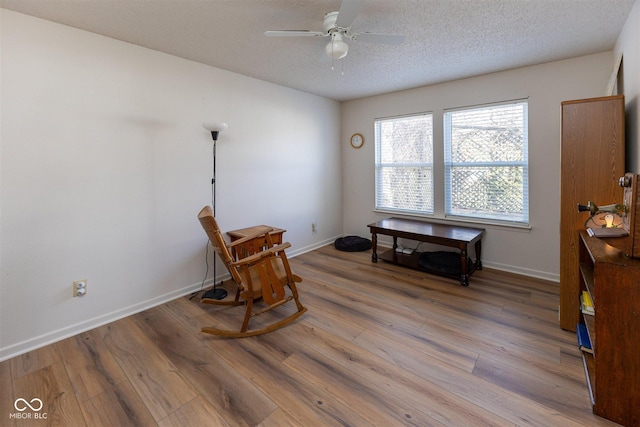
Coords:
pixel 337 26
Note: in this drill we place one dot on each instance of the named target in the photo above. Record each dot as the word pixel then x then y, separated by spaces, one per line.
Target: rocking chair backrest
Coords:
pixel 217 240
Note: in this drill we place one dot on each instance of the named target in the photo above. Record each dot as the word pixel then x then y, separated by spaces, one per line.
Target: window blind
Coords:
pixel 404 163
pixel 486 162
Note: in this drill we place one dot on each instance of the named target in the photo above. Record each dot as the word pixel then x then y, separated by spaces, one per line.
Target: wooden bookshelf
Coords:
pixel 613 370
pixel 592 161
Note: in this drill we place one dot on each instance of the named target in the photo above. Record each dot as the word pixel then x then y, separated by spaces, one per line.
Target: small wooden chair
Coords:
pixel 262 275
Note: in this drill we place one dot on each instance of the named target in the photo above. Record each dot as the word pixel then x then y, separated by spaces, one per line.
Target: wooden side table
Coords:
pixel 256 245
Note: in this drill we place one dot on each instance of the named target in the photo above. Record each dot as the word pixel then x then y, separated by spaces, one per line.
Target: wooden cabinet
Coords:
pixel 613 370
pixel 592 161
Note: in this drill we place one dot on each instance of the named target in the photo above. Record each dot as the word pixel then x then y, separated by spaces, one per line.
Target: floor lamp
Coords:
pixel 215 129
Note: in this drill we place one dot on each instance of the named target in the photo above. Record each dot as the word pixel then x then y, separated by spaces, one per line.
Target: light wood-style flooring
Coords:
pixel 381 345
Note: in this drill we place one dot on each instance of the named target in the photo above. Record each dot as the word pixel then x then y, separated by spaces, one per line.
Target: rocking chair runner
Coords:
pixel 262 275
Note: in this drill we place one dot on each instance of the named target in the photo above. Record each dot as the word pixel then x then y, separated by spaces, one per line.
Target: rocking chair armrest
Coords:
pixel 262 254
pixel 266 230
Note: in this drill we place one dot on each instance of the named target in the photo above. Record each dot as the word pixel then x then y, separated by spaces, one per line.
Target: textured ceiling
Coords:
pixel 445 39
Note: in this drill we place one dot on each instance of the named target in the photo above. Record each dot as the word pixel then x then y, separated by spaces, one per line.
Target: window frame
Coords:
pixel 487 217
pixel 380 166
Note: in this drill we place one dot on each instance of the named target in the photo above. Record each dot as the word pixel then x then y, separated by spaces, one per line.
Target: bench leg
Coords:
pixel 478 255
pixel 374 247
pixel 395 248
pixel 464 277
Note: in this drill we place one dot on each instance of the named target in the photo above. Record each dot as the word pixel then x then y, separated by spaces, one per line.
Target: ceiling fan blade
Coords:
pixel 348 12
pixel 378 38
pixel 294 33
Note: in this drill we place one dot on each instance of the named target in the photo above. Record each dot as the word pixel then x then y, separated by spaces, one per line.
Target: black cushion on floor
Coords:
pixel 441 261
pixel 352 244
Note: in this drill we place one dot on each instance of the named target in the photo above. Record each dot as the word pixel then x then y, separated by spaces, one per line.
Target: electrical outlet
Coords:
pixel 80 288
pixel 314 228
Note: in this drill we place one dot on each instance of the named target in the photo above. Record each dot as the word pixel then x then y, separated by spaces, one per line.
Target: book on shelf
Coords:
pixel 584 343
pixel 607 232
pixel 586 303
pixel 587 298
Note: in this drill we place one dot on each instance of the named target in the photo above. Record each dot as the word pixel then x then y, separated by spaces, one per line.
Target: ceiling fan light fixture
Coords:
pixel 337 48
pixel 337 26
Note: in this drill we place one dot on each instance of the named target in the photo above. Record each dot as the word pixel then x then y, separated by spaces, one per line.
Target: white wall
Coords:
pixel 105 165
pixel 629 84
pixel 533 252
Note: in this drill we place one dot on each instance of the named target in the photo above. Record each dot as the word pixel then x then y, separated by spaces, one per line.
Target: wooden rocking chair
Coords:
pixel 262 275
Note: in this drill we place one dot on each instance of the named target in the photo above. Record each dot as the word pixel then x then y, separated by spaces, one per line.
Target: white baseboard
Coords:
pixel 317 245
pixel 545 275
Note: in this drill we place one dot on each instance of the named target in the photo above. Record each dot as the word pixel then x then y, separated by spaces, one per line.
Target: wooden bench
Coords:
pixel 422 231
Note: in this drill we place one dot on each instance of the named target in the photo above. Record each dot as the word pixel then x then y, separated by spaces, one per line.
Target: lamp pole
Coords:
pixel 215 129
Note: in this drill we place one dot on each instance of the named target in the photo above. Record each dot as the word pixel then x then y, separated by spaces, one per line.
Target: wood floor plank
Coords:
pixel 363 311
pixel 279 418
pixel 196 413
pixel 6 395
pixel 534 387
pixel 362 396
pixel 395 382
pixel 448 352
pixel 491 326
pixel 119 405
pixel 515 408
pixel 154 377
pixel 304 402
pixel 34 360
pixel 192 315
pixel 325 312
pixel 513 355
pixel 92 369
pixel 365 308
pixel 228 393
pixel 52 386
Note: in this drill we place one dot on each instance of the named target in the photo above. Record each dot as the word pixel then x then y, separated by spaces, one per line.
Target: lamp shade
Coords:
pixel 214 126
pixel 337 48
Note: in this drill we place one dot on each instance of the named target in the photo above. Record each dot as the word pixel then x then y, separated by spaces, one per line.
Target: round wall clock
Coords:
pixel 357 140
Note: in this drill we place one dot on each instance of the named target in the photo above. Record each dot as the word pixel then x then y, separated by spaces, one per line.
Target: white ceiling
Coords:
pixel 445 39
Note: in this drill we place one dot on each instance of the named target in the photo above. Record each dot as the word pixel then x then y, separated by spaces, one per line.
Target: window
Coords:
pixel 404 164
pixel 486 163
